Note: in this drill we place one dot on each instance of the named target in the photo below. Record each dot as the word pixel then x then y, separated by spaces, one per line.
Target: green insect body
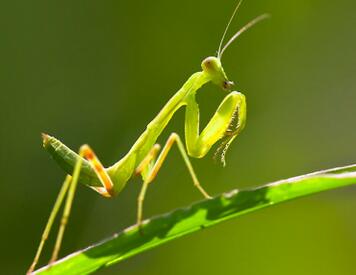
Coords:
pixel 144 158
pixel 233 107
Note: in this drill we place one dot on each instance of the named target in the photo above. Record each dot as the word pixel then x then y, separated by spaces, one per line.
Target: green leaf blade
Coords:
pixel 180 222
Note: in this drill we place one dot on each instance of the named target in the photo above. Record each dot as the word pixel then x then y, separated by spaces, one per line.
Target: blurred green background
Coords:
pixel 98 71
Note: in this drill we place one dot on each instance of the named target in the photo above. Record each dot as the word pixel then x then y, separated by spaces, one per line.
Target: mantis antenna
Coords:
pixel 227 27
pixel 239 32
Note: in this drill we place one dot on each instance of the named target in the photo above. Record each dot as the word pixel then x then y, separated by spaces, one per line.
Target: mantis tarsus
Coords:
pixel 144 157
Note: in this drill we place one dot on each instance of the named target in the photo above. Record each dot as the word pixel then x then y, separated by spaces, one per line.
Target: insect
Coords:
pixel 146 157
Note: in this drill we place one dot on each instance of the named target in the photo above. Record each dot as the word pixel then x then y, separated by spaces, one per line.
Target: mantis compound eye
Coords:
pixel 228 85
pixel 211 65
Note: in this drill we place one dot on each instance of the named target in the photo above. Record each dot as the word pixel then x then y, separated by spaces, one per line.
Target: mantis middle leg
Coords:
pixel 150 172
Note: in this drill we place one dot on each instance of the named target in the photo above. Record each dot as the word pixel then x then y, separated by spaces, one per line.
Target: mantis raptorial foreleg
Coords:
pixel 230 116
pixel 152 172
pixel 223 123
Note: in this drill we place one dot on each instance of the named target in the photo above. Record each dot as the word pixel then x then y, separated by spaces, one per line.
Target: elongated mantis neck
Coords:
pixel 121 171
pixel 212 70
pixel 153 130
pixel 195 82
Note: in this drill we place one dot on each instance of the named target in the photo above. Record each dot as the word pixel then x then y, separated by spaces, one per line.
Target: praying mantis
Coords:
pixel 146 157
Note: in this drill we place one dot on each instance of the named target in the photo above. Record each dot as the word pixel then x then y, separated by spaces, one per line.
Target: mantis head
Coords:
pixel 213 68
pixel 212 65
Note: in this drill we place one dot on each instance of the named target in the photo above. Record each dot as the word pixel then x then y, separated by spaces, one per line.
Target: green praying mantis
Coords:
pixel 146 157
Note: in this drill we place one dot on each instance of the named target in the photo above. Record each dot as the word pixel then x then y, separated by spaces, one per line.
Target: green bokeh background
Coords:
pixel 98 71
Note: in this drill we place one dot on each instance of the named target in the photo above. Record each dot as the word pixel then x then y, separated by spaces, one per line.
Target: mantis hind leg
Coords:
pixel 67 191
pixel 67 209
pixel 84 152
pixel 152 171
pixel 61 195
